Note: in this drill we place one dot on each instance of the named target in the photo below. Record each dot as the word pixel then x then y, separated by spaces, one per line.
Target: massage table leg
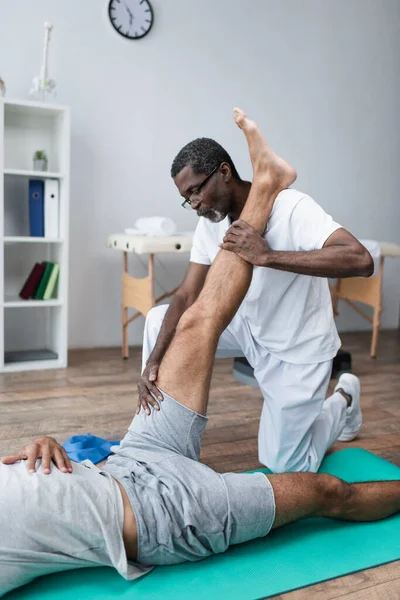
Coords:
pixel 377 312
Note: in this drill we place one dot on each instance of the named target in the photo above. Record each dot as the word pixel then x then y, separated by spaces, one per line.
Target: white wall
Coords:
pixel 320 77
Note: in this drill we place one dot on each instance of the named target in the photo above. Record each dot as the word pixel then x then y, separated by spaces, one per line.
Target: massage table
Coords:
pixel 367 291
pixel 139 293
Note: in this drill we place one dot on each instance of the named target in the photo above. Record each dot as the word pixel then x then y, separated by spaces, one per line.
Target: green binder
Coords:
pixel 52 282
pixel 44 281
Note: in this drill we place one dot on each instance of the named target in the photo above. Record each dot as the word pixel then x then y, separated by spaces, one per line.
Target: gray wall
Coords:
pixel 320 77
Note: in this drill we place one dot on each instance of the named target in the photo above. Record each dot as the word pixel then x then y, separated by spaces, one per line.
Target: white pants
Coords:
pixel 297 423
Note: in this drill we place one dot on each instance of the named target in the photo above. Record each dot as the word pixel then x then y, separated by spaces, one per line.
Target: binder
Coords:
pixel 51 208
pixel 32 282
pixel 36 208
pixel 52 282
pixel 44 281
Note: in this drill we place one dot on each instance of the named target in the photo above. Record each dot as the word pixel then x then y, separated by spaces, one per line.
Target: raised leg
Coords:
pixel 228 344
pixel 186 369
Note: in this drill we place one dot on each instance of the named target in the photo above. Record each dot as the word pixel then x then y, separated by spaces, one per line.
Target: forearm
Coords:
pixel 176 309
pixel 332 261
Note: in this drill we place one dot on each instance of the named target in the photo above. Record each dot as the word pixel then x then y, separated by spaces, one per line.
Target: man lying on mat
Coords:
pixel 153 503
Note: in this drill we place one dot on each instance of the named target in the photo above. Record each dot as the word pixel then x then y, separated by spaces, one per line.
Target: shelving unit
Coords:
pixel 32 326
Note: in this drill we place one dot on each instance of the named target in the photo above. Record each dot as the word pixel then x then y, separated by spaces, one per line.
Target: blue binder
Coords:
pixel 36 208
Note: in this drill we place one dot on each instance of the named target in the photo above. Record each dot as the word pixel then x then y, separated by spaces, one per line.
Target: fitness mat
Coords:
pixel 294 556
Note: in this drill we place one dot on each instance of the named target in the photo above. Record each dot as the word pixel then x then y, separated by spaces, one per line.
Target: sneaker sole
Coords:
pixel 348 437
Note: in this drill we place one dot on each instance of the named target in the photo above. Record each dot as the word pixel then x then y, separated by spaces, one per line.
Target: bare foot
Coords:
pixel 263 158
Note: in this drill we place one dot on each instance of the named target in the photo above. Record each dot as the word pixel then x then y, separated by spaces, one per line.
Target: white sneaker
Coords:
pixel 350 384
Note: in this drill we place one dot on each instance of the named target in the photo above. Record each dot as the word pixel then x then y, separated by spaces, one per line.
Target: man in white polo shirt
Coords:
pixel 285 326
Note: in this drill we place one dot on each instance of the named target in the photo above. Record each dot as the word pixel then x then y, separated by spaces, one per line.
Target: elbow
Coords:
pixel 366 266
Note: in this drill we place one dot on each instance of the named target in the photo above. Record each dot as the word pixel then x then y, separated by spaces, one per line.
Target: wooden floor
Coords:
pixel 97 394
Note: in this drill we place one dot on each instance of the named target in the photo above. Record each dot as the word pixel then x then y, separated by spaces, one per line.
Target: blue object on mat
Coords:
pixel 88 446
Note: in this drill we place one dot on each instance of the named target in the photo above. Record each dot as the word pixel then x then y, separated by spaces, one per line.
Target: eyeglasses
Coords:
pixel 188 203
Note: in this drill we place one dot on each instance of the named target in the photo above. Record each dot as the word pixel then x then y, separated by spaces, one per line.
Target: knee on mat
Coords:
pixel 291 464
pixel 286 464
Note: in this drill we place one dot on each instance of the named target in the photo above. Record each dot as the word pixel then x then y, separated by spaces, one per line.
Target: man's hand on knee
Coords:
pixel 46 448
pixel 145 386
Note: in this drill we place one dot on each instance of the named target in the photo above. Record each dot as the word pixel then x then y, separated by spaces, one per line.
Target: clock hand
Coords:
pixel 129 12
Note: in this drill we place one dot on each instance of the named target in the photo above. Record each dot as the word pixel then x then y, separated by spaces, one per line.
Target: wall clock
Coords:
pixel 132 19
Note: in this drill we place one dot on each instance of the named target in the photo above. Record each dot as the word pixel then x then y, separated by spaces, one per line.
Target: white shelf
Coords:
pixel 33 365
pixel 31 107
pixel 31 240
pixel 38 174
pixel 17 302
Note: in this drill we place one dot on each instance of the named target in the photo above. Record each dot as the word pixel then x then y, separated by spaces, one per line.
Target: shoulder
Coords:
pixel 285 204
pixel 293 204
pixel 287 200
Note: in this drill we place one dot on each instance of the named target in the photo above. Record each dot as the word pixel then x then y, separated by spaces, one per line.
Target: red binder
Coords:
pixel 31 284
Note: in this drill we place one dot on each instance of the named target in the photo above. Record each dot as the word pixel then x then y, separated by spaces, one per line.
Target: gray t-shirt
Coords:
pixel 56 522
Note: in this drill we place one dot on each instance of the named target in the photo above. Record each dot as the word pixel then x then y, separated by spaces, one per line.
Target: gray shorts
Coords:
pixel 185 511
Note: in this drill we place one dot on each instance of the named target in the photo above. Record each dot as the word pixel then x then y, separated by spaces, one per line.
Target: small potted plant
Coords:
pixel 40 160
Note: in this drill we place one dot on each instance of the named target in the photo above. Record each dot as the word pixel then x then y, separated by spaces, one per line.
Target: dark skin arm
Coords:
pixel 341 256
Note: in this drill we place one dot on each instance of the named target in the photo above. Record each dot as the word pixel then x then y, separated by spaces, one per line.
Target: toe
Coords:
pixel 238 115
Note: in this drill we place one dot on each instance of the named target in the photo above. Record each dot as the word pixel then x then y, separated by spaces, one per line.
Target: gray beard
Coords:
pixel 212 214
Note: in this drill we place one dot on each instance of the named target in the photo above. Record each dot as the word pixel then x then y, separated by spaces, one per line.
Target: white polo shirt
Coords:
pixel 289 315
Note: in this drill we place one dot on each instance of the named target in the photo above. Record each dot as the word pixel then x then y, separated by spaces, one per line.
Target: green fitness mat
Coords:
pixel 297 555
